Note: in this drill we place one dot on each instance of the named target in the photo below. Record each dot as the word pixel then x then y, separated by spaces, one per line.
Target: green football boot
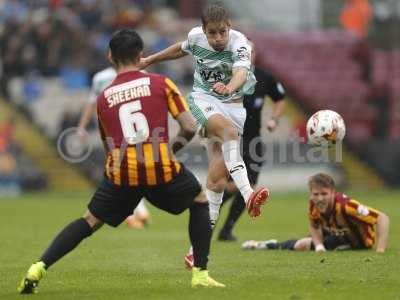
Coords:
pixel 200 278
pixel 29 283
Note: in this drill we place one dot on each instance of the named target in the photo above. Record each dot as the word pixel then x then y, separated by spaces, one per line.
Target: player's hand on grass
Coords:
pixel 380 250
pixel 222 89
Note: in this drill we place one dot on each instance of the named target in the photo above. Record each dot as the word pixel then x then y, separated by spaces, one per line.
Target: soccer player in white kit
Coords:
pixel 101 80
pixel 222 58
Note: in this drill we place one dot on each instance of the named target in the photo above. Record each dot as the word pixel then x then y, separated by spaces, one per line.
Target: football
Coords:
pixel 325 127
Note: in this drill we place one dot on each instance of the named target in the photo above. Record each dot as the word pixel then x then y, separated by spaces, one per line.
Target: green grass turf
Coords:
pixel 148 264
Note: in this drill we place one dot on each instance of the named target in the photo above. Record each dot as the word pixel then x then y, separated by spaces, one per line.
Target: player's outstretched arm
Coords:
pixel 172 52
pixel 382 232
pixel 186 133
pixel 316 235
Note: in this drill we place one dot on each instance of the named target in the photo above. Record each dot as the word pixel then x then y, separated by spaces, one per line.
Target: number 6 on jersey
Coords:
pixel 135 127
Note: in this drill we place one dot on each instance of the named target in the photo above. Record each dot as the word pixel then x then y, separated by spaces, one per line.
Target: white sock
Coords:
pixel 215 201
pixel 236 167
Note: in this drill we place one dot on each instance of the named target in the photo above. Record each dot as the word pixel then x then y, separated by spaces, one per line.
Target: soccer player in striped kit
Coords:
pixel 102 80
pixel 337 222
pixel 133 123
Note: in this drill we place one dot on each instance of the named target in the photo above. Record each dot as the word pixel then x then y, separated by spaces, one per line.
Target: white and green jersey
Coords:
pixel 101 80
pixel 213 66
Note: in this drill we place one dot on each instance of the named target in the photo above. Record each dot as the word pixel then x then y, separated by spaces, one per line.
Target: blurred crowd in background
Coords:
pixel 50 49
pixel 17 172
pixel 70 38
pixel 9 180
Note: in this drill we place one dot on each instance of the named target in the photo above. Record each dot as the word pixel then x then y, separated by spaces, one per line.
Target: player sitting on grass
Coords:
pixel 337 222
pixel 133 123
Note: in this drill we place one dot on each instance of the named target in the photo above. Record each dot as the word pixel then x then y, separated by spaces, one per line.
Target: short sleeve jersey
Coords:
pixel 133 122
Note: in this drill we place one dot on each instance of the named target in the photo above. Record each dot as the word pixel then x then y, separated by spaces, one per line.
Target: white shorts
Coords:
pixel 204 106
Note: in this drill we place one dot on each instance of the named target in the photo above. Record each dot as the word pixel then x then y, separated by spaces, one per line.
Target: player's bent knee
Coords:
pixel 303 244
pixel 201 198
pixel 232 134
pixel 217 186
pixel 219 126
pixel 228 133
pixel 217 183
pixel 93 222
pixel 200 207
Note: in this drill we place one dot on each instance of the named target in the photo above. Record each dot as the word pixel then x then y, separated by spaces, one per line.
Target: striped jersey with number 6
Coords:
pixel 133 122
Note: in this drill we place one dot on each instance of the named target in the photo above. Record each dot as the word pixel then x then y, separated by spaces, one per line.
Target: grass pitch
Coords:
pixel 148 264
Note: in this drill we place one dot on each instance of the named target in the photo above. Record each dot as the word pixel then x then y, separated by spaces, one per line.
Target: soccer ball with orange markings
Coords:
pixel 325 127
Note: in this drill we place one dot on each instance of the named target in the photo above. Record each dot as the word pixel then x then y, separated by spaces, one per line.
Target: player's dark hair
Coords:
pixel 215 12
pixel 321 180
pixel 125 46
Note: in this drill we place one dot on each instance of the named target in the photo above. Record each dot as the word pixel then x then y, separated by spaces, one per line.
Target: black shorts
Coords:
pixel 112 203
pixel 334 242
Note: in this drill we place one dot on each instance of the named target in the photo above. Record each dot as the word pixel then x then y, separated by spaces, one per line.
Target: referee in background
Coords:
pixel 266 86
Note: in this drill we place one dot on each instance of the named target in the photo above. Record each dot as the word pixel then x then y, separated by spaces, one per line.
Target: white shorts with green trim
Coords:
pixel 204 106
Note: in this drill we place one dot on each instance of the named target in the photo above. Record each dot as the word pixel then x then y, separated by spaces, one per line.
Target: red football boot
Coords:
pixel 189 261
pixel 258 198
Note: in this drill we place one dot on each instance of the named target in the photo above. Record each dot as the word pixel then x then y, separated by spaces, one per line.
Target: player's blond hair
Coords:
pixel 321 180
